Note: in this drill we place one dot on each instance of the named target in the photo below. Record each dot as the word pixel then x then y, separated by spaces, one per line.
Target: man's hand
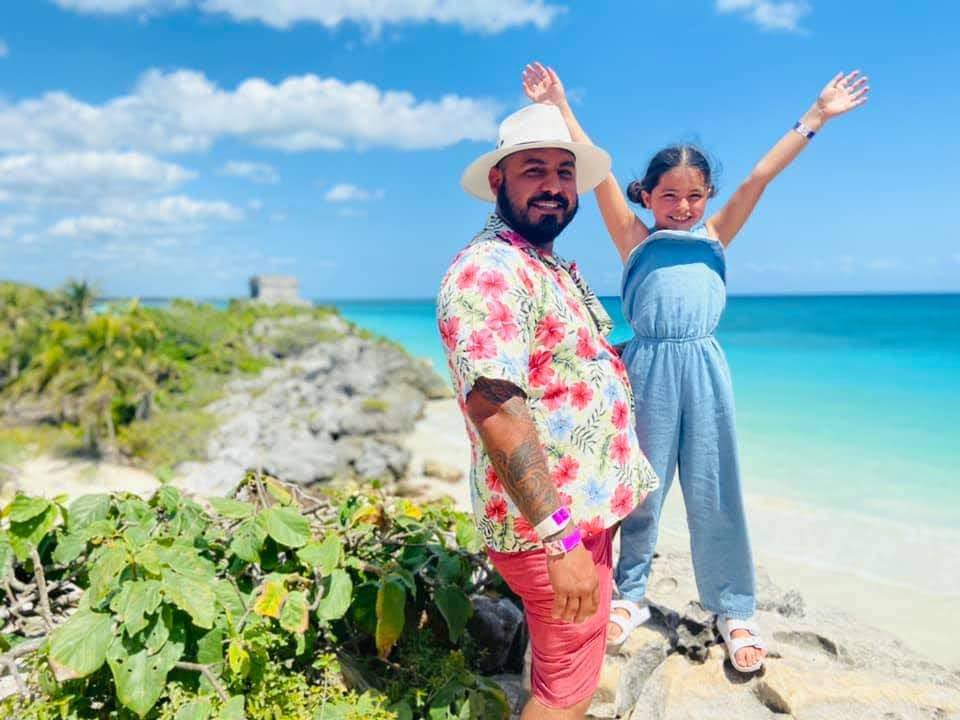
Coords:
pixel 575 585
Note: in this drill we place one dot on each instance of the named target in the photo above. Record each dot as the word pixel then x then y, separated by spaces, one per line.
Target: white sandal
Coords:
pixel 726 626
pixel 636 616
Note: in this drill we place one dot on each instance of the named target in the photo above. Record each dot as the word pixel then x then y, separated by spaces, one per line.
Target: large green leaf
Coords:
pixel 455 607
pixel 87 509
pixel 136 600
pixel 248 540
pixel 140 677
pixel 79 646
pixel 108 563
pixel 195 710
pixel 229 598
pixel 323 556
pixel 69 547
pixel 192 595
pixel 391 599
pixel 25 536
pixel 232 709
pixel 25 507
pixel 336 599
pixel 294 616
pixel 287 526
pixel 230 508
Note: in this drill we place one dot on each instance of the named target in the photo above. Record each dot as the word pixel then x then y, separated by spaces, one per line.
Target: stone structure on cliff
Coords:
pixel 276 289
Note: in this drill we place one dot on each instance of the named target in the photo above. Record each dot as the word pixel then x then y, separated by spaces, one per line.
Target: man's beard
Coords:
pixel 540 233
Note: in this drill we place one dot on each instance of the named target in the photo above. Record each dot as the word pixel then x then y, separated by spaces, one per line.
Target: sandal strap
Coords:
pixel 635 616
pixel 726 626
pixel 737 644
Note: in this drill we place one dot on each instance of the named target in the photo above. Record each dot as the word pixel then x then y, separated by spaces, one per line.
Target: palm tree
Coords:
pixel 77 298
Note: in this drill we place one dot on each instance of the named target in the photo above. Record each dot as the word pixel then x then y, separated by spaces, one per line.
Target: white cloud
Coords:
pixel 110 7
pixel 345 192
pixel 768 14
pixel 80 176
pixel 184 111
pixel 257 172
pixel 479 15
pixel 482 15
pixel 4 49
pixel 9 224
pixel 170 215
pixel 89 226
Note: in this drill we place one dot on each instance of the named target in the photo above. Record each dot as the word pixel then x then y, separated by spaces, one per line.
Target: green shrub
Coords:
pixel 268 605
pixel 168 438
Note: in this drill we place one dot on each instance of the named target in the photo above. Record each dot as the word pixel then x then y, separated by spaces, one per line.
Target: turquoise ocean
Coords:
pixel 848 403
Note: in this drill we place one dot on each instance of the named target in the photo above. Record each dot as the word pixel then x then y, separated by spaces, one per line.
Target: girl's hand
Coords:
pixel 542 85
pixel 843 94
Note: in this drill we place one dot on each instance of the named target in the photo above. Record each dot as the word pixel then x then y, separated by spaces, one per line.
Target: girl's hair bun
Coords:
pixel 633 192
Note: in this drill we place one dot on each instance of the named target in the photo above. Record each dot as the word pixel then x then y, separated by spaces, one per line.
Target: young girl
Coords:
pixel 673 295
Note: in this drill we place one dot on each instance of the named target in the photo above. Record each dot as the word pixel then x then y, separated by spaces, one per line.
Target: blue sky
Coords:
pixel 175 147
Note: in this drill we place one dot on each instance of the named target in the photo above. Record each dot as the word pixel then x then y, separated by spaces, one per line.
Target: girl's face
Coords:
pixel 679 200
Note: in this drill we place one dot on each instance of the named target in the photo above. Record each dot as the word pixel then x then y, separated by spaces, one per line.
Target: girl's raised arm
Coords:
pixel 542 85
pixel 842 94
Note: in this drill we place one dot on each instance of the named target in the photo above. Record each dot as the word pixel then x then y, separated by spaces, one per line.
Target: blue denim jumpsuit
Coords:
pixel 674 292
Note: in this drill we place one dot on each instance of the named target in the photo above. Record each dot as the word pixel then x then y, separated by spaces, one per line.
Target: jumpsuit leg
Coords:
pixel 655 375
pixel 710 480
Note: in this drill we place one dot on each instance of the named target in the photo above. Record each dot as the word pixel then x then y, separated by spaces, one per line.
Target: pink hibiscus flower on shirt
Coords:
pixel 541 369
pixel 493 481
pixel 555 395
pixel 496 509
pixel 589 528
pixel 585 347
pixel 549 332
pixel 622 502
pixel 580 395
pixel 481 345
pixel 620 415
pixel 620 449
pixel 467 277
pixel 450 332
pixel 492 284
pixel 523 528
pixel 500 320
pixel 565 471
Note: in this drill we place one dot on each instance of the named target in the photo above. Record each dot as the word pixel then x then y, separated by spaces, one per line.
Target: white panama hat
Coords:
pixel 536 126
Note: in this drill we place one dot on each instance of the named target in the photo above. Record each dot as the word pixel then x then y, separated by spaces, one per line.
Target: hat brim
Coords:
pixel 593 165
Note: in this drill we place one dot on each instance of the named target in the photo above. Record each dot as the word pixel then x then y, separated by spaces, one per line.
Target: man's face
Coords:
pixel 536 192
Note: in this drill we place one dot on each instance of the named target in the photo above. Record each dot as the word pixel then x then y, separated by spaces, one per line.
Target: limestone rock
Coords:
pixel 498 627
pixel 448 473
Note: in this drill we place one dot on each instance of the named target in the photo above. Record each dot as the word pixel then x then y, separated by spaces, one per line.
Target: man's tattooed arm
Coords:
pixel 499 412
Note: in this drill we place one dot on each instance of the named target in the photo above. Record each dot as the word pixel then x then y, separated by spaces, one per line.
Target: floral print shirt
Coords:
pixel 509 311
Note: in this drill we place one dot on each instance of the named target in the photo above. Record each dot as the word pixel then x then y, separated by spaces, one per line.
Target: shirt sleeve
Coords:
pixel 486 315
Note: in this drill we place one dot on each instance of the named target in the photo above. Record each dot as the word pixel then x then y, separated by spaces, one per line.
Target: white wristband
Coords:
pixel 553 523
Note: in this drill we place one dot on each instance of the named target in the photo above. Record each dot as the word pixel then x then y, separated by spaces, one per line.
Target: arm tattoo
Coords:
pixel 523 472
pixel 521 465
pixel 496 391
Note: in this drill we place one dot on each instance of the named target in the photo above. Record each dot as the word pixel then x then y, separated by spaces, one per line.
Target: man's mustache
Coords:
pixel 559 199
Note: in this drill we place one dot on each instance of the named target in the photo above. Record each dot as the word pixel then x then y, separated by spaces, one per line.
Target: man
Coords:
pixel 548 407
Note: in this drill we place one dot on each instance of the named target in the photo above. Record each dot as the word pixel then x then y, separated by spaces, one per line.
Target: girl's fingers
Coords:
pixel 836 80
pixel 862 80
pixel 850 78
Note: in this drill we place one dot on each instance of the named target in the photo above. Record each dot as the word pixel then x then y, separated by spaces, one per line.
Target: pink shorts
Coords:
pixel 567 657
